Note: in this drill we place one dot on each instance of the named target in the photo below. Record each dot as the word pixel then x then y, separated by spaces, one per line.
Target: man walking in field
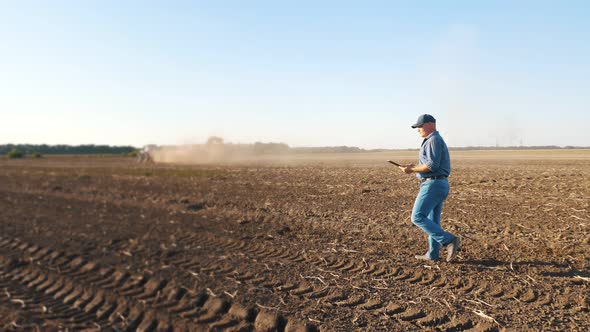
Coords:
pixel 434 166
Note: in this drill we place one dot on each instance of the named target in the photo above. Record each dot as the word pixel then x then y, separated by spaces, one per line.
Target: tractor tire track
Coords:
pixel 144 292
pixel 328 295
pixel 73 293
pixel 519 291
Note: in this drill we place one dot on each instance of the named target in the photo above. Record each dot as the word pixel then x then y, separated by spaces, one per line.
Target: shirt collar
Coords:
pixel 429 136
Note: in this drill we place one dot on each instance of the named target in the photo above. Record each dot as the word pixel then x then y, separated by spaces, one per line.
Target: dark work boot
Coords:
pixel 452 249
pixel 424 258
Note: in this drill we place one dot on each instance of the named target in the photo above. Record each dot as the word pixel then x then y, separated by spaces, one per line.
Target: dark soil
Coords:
pixel 104 243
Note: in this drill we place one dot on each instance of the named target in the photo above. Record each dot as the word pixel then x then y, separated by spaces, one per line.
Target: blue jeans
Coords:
pixel 426 214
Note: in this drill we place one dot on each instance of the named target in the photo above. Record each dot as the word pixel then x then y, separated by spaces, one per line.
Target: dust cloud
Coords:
pixel 216 151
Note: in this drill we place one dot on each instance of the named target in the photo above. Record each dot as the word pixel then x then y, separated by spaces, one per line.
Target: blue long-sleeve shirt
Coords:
pixel 434 154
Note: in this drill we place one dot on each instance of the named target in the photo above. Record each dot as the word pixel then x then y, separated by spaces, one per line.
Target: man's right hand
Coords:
pixel 407 168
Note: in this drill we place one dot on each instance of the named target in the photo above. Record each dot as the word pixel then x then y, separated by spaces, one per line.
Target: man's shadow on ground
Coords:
pixel 568 270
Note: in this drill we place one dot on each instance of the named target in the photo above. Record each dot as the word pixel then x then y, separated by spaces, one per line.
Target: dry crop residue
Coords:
pixel 89 243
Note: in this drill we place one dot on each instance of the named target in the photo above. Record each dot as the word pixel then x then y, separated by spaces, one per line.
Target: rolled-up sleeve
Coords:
pixel 432 154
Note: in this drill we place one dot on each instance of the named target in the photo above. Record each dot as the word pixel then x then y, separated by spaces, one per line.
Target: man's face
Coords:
pixel 425 129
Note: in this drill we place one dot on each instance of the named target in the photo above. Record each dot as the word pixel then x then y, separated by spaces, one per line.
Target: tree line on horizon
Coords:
pixel 30 149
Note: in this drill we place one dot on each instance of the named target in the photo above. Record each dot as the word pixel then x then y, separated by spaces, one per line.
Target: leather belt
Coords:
pixel 438 177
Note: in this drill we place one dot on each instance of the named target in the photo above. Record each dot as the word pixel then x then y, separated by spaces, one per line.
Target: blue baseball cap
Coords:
pixel 422 119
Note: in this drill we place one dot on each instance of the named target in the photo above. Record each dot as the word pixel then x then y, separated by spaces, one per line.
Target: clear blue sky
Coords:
pixel 306 73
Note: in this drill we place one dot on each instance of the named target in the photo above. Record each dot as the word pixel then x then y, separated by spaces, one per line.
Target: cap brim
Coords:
pixel 417 125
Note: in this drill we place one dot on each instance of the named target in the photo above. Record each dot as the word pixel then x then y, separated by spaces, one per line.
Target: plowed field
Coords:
pixel 322 243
